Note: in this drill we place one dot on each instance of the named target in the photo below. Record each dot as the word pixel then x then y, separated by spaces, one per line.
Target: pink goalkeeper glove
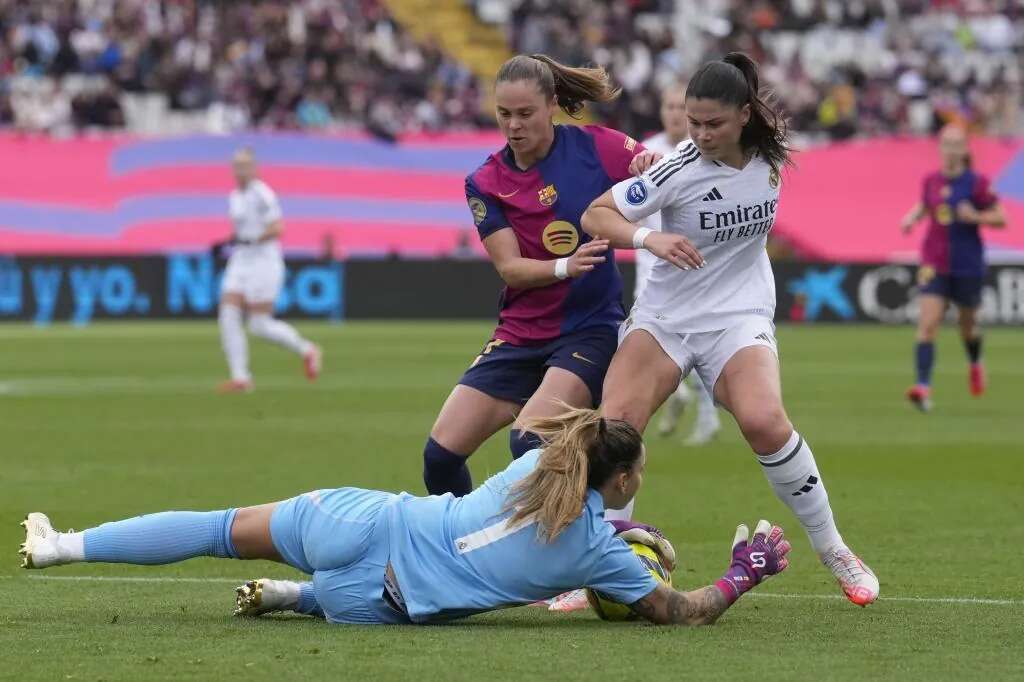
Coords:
pixel 756 561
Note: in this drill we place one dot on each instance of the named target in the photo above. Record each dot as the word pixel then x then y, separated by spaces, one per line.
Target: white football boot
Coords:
pixel 673 410
pixel 576 600
pixel 858 582
pixel 40 549
pixel 264 595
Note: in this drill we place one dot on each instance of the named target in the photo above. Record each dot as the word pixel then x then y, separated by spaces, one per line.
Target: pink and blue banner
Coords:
pixel 119 196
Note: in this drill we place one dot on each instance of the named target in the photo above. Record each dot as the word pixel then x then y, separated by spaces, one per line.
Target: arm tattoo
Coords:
pixel 700 607
pixel 645 608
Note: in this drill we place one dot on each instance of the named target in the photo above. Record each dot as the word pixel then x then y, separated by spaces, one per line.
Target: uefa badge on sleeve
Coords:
pixel 479 210
pixel 636 193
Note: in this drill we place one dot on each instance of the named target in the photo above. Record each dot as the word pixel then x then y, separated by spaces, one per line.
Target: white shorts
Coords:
pixel 706 352
pixel 256 276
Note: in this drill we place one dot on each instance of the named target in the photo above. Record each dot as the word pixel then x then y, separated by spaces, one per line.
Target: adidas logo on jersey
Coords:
pixel 713 195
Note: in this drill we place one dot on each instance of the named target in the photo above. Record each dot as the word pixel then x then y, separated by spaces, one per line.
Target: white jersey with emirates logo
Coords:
pixel 727 214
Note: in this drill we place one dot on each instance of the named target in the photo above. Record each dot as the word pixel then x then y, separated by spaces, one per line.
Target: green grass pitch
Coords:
pixel 114 420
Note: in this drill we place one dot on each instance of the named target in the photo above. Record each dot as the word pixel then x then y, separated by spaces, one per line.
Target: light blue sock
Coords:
pixel 162 538
pixel 307 601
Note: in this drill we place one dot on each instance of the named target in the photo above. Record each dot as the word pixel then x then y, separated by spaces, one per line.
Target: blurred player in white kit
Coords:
pixel 674 133
pixel 253 278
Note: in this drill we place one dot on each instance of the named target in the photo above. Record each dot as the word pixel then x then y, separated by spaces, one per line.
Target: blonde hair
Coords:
pixel 581 450
pixel 571 86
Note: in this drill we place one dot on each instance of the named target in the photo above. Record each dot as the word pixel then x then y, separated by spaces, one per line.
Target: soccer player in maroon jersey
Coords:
pixel 562 302
pixel 958 201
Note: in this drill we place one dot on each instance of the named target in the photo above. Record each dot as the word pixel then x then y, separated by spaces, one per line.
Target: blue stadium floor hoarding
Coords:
pixel 83 289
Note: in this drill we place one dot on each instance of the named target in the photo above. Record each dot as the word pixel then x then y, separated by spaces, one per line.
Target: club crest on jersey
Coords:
pixel 560 238
pixel 636 193
pixel 548 195
pixel 773 178
pixel 944 214
pixel 479 210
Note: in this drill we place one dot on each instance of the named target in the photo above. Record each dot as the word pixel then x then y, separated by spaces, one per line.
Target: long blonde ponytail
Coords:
pixel 581 450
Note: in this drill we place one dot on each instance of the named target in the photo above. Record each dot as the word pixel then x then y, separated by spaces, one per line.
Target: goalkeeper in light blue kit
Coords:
pixel 528 533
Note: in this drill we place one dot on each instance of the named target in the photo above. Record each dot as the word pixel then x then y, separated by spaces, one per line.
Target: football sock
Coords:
pixel 924 353
pixel 973 347
pixel 71 547
pixel 281 333
pixel 232 339
pixel 445 471
pixel 794 477
pixel 162 538
pixel 624 514
pixel 307 602
pixel 521 442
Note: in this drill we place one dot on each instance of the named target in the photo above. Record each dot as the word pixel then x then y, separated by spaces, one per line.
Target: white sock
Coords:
pixel 281 333
pixel 232 339
pixel 707 413
pixel 794 477
pixel 624 514
pixel 283 594
pixel 71 547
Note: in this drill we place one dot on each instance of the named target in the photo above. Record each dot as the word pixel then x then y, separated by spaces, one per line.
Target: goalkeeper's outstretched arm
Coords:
pixel 753 562
pixel 666 606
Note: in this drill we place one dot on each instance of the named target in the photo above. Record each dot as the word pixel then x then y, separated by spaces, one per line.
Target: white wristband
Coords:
pixel 639 236
pixel 562 268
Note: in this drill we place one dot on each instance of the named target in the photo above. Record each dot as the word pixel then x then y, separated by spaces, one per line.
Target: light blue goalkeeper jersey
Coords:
pixel 454 557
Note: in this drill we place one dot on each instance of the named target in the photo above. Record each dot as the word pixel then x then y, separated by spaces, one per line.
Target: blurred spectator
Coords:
pixel 841 68
pixel 269 63
pixel 463 249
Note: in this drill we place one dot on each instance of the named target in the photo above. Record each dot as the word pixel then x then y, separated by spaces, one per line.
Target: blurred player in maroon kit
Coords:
pixel 562 303
pixel 957 201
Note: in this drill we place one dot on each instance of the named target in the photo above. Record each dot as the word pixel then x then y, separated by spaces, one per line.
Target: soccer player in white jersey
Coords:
pixel 673 120
pixel 253 278
pixel 710 301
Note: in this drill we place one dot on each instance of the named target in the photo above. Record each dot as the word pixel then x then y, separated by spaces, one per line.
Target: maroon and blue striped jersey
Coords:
pixel 543 205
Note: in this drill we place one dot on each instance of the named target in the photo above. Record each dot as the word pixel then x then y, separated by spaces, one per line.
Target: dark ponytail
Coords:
pixel 734 80
pixel 571 87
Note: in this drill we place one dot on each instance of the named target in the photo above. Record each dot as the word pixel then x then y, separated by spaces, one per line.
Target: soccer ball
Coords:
pixel 608 609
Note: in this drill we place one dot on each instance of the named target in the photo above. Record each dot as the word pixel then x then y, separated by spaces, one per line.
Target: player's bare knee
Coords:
pixel 766 430
pixel 456 438
pixel 250 532
pixel 631 413
pixel 927 332
pixel 241 530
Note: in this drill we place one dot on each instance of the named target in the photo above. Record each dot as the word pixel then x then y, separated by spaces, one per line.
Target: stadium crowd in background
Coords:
pixel 841 69
pixel 266 64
